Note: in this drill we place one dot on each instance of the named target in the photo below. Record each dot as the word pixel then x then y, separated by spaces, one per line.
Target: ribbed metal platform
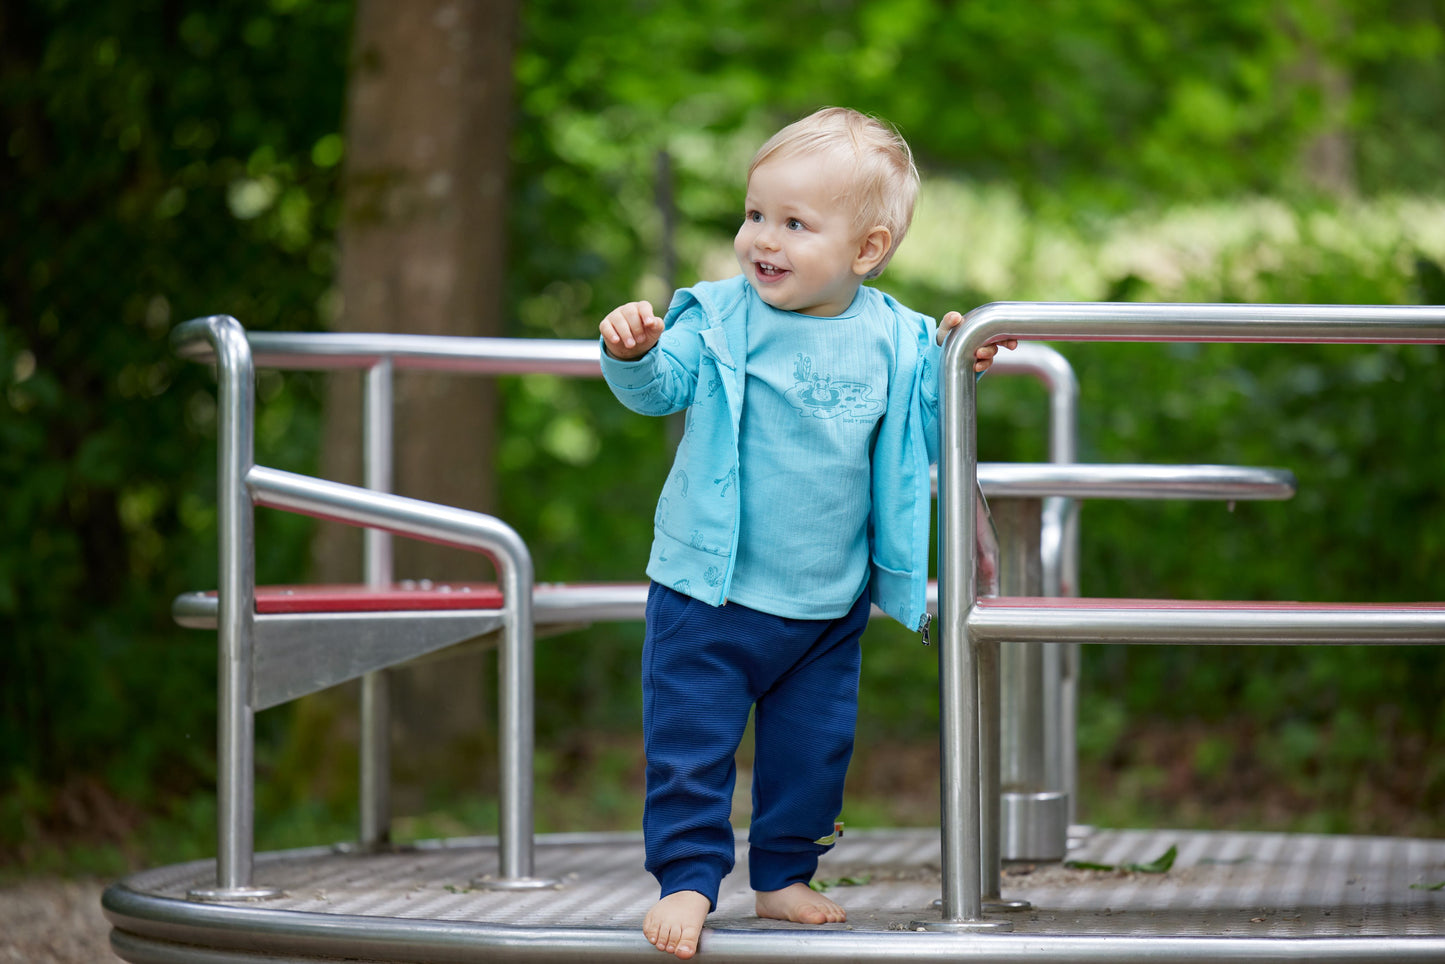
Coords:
pixel 1228 897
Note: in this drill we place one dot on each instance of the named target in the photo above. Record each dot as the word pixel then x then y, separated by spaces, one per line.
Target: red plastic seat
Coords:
pixel 403 597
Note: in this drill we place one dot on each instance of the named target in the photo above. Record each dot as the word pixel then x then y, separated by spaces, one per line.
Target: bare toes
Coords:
pixel 674 924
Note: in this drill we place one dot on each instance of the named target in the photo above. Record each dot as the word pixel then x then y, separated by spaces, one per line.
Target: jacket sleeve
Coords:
pixel 928 374
pixel 665 379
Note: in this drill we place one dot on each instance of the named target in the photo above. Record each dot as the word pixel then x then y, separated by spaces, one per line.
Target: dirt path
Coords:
pixel 54 921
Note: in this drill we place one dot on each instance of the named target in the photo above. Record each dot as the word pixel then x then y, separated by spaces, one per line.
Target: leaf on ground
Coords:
pixel 1159 865
pixel 1439 886
pixel 822 885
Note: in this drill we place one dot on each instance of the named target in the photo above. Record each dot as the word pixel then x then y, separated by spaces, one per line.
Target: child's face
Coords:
pixel 798 245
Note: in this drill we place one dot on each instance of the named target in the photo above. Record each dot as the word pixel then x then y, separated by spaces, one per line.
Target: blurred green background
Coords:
pixel 165 160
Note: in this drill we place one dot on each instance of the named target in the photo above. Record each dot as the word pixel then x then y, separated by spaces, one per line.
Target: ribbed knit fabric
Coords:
pixel 816 391
pixel 703 668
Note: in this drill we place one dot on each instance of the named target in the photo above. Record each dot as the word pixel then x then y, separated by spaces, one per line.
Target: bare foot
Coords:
pixel 799 903
pixel 674 923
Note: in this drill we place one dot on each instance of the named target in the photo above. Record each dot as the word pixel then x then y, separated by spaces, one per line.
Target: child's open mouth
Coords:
pixel 770 271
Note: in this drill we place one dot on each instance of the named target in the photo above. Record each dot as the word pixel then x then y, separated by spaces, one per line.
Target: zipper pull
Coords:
pixel 923 627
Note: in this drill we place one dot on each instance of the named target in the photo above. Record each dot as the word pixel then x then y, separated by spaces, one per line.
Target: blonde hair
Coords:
pixel 883 187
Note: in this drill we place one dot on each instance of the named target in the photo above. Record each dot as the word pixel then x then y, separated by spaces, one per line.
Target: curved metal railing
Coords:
pixel 963 864
pixel 241 483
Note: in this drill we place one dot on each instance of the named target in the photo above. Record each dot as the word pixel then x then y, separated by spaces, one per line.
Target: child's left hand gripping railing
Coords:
pixel 241 485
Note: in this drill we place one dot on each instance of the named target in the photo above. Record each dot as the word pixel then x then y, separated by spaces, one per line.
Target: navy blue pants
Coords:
pixel 703 669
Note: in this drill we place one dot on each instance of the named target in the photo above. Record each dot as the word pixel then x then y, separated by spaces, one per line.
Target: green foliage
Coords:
pixel 164 160
pixel 158 166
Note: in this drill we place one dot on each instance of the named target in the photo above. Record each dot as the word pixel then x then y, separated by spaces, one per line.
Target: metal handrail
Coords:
pixel 380 355
pixel 235 725
pixel 462 529
pixel 328 351
pixel 1082 480
pixel 962 858
pixel 241 483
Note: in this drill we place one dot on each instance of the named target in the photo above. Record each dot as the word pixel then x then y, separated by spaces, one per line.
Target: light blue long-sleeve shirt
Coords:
pixel 701 364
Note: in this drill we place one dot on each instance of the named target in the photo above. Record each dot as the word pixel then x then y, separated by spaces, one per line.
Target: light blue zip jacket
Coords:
pixel 699 364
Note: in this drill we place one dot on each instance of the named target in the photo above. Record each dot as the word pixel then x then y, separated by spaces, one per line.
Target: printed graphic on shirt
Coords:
pixel 727 481
pixel 816 395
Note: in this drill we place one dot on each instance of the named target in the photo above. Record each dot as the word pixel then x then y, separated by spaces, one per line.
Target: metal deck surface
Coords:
pixel 1228 896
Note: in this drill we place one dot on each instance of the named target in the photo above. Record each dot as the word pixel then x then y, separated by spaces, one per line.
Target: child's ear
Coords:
pixel 872 250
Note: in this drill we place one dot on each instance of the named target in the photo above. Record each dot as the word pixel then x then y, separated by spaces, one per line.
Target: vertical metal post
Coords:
pixel 375 749
pixel 516 728
pixel 1060 571
pixel 235 731
pixel 1062 750
pixel 958 670
pixel 1034 816
pixel 1060 541
pixel 1058 553
pixel 1022 735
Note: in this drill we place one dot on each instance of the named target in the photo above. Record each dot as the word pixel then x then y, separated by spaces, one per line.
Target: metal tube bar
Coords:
pixel 502 356
pixel 958 670
pixel 1058 554
pixel 374 764
pixel 1059 558
pixel 1020 709
pixel 1030 816
pixel 1237 324
pixel 1118 480
pixel 375 749
pixel 1053 730
pixel 1067 754
pixel 1059 565
pixel 1057 376
pixel 354 505
pixel 466 530
pixel 235 737
pixel 377 446
pixel 990 694
pixel 1019 480
pixel 322 351
pixel 235 731
pixel 1248 624
pixel 167 930
pixel 1335 324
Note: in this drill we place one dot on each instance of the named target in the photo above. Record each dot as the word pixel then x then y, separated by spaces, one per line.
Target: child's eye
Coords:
pixel 753 216
pixel 794 224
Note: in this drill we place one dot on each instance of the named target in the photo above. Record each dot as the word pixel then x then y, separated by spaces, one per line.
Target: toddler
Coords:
pixel 799 496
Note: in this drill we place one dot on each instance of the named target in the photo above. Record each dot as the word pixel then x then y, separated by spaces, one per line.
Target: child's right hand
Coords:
pixel 629 332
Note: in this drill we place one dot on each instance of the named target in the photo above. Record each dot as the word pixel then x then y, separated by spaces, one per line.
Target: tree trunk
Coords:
pixel 1327 158
pixel 422 244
